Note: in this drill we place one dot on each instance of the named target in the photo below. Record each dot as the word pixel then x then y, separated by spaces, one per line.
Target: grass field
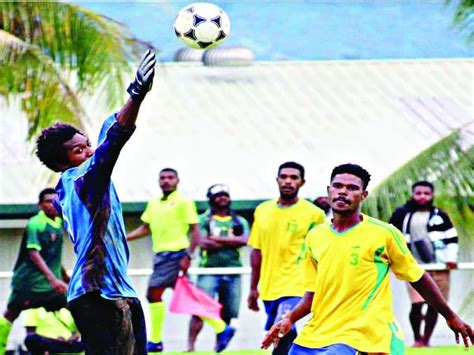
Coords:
pixel 442 350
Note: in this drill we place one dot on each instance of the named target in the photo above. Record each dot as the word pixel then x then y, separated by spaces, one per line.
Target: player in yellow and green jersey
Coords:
pixel 277 238
pixel 347 285
pixel 38 275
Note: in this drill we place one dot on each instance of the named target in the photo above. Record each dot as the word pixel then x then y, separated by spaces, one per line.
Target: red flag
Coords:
pixel 190 299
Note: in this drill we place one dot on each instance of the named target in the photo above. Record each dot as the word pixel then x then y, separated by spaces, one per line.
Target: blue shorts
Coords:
pixel 335 349
pixel 276 309
pixel 227 290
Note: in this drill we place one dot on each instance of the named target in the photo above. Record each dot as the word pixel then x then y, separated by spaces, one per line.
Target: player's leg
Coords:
pixel 230 294
pixel 208 284
pixel 225 296
pixel 106 326
pixel 431 317
pixel 441 278
pixel 416 316
pixel 6 323
pixel 165 274
pixel 14 308
pixel 157 317
pixel 139 326
pixel 38 345
pixel 195 327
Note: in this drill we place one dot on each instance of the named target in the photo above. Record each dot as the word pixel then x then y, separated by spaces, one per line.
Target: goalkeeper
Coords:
pixel 101 297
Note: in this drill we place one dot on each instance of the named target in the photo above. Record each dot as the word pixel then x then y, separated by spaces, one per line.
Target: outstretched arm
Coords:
pixel 92 186
pixel 138 89
pixel 427 288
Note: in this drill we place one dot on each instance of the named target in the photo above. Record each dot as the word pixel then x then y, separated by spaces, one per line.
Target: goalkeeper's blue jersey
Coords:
pixel 93 218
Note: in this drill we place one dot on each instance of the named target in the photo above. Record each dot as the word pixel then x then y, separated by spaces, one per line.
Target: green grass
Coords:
pixel 442 350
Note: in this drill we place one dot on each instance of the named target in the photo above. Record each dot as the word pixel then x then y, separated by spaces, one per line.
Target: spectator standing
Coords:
pixel 431 238
pixel 223 233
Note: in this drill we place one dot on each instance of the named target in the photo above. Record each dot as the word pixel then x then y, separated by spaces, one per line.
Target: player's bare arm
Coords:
pixel 56 284
pixel 255 263
pixel 195 234
pixel 280 329
pixel 427 288
pixel 140 232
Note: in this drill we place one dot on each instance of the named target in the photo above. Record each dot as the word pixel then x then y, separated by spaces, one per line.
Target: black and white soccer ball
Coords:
pixel 202 25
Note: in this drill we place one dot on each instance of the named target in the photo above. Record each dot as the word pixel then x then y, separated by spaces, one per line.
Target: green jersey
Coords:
pixel 45 235
pixel 222 227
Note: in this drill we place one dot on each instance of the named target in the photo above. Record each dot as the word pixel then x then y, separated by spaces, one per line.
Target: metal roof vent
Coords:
pixel 188 55
pixel 228 56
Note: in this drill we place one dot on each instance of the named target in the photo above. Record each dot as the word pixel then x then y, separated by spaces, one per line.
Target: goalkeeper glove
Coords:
pixel 143 78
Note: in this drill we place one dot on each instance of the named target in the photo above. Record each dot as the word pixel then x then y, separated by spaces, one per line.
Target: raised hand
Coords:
pixel 144 77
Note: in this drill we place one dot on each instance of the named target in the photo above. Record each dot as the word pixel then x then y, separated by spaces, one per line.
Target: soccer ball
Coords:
pixel 202 25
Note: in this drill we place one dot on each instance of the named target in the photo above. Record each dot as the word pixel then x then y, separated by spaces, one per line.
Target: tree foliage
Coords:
pixel 51 53
pixel 464 17
pixel 449 164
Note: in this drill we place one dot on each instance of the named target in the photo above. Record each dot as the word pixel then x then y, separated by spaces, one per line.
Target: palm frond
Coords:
pixel 33 79
pixel 464 17
pixel 92 52
pixel 449 165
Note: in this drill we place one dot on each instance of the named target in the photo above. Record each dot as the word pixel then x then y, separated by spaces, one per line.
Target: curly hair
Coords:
pixel 352 169
pixel 50 145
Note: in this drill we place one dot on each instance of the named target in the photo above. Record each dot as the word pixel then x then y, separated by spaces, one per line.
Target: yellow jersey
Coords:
pixel 348 273
pixel 279 234
pixel 169 221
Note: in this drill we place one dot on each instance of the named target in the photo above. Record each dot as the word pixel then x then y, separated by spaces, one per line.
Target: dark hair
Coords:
pixel 293 165
pixel 168 170
pixel 322 205
pixel 422 183
pixel 44 192
pixel 50 145
pixel 352 169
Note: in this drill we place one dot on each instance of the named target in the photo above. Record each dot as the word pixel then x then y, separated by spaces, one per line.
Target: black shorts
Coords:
pixel 166 268
pixel 20 300
pixel 110 327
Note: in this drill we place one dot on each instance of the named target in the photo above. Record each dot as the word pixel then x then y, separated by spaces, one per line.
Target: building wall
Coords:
pixel 250 324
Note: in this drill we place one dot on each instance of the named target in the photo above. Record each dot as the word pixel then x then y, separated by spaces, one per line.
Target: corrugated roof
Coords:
pixel 237 124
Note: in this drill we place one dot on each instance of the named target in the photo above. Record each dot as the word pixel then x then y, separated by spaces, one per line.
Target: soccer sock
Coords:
pixel 217 324
pixel 5 328
pixel 157 315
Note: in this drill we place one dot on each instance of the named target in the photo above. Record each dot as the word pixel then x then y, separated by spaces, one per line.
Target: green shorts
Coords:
pixel 20 300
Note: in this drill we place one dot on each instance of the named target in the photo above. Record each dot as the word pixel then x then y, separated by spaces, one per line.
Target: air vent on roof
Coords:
pixel 188 55
pixel 228 56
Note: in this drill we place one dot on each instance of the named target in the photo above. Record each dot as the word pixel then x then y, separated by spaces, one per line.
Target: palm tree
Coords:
pixel 51 53
pixel 464 17
pixel 449 163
